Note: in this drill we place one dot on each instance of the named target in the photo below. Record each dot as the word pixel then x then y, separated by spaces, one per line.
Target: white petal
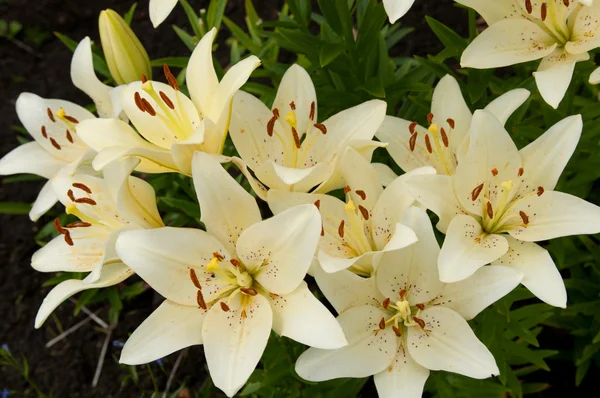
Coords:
pixel 493 10
pixel 385 173
pixel 201 77
pixel 235 340
pixel 111 275
pixel 595 76
pixel 295 179
pixel 450 345
pixel 540 274
pixel 508 42
pixel 169 328
pixel 85 79
pixel 486 286
pixel 227 209
pixel 395 132
pixel 467 248
pixel 448 103
pixel 183 151
pixel 506 104
pixel 545 158
pixel 163 258
pixel 585 27
pixel 281 248
pixel 30 158
pixel 160 10
pixel 554 75
pixel 556 214
pixel 303 318
pixel 360 175
pixel 45 200
pixel 396 9
pixel 405 378
pixel 370 349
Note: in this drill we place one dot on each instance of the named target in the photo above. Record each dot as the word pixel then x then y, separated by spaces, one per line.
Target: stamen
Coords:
pixel 200 300
pixel 364 212
pixel 70 195
pixel 412 142
pixel 81 186
pixel 318 204
pixel 275 112
pixel 524 217
pixel 194 279
pixel 54 143
pixel 58 227
pixel 271 125
pixel 219 256
pixel 341 229
pixel 450 122
pixel 144 78
pixel 166 100
pixel 540 191
pixel 385 304
pixel 475 192
pixel 69 137
pixel 322 230
pixel 402 293
pixel 494 172
pixel 490 210
pixel 236 263
pixel 397 331
pixel 420 306
pixel 311 116
pixel 213 265
pixel 71 119
pixel 321 127
pixel 544 11
pixel 224 306
pixel 137 98
pixel 170 78
pixel 566 3
pixel 382 324
pixel 444 137
pixel 249 291
pixel 147 107
pixel 420 322
pixel 412 127
pixel 347 189
pixel 68 238
pixel 44 132
pixel 293 105
pixel 520 173
pixel 87 201
pixel 528 6
pixel 429 118
pixel 361 193
pixel 50 115
pixel 296 138
pixel 79 224
pixel 428 144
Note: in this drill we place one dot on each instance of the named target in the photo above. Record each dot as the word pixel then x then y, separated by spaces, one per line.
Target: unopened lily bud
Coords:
pixel 126 57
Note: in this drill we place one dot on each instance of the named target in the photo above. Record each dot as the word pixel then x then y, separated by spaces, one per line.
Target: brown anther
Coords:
pixel 271 125
pixel 224 306
pixel 412 127
pixel 194 279
pixel 490 210
pixel 347 189
pixel 402 293
pixel 170 78
pixel 450 122
pixel 54 143
pixel 520 172
pixel 144 78
pixel 566 3
pixel 50 115
pixel 322 230
pixel 476 191
pixel 540 191
pixel 321 127
pixel 444 137
pixel 420 322
pixel 397 331
pixel 166 100
pixel 275 112
pixel 364 212
pixel 293 105
pixel 382 324
pixel 44 132
pixel 69 137
pixel 494 172
pixel 200 300
pixel 81 186
pixel 68 238
pixel 59 227
pixel 236 263
pixel 79 224
pixel 361 193
pixel 341 229
pixel 430 118
pixel 296 138
pixel 137 98
pixel 528 6
pixel 544 11
pixel 147 107
pixel 386 303
pixel 313 107
pixel 249 291
pixel 318 204
pixel 524 217
pixel 87 201
pixel 420 306
pixel 219 256
pixel 70 195
pixel 71 119
pixel 412 142
pixel 428 144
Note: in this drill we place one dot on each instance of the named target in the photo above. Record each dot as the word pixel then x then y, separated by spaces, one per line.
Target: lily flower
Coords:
pixel 595 77
pixel 287 148
pixel 396 9
pixel 160 10
pixel 446 140
pixel 502 200
pixel 357 232
pixel 559 32
pixel 171 126
pixel 228 287
pixel 404 322
pixel 105 207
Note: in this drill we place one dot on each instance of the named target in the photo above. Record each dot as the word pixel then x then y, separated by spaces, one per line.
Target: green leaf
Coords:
pixel 18 208
pixel 451 40
pixel 176 62
pixel 329 52
pixel 187 39
pixel 215 12
pixel 193 18
pixel 191 209
pixel 129 14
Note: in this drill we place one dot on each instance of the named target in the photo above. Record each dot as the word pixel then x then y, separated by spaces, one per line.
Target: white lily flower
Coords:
pixel 160 10
pixel 499 190
pixel 105 207
pixel 559 32
pixel 447 139
pixel 171 126
pixel 404 322
pixel 595 77
pixel 228 287
pixel 286 148
pixel 396 9
pixel 356 233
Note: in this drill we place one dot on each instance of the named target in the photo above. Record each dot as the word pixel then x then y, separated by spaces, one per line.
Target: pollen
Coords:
pixel 419 322
pixel 382 323
pixel 451 123
pixel 524 217
pixel 341 229
pixel 213 265
pixel 520 172
pixel 296 138
pixel 194 279
pixel 361 193
pixel 50 115
pixel 428 144
pixel 429 118
pixel 321 127
pixel 81 186
pixel 224 306
pixel 412 142
pixel 476 191
pixel 444 137
pixel 350 206
pixel 412 127
pixel 347 189
pixel 397 331
pixel 200 300
pixel 540 191
pixel 364 212
pixel 490 210
pixel 312 110
pixel 494 172
pixel 544 11
pixel 385 304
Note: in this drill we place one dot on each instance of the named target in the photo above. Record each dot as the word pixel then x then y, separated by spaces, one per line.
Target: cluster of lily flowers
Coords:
pixel 402 301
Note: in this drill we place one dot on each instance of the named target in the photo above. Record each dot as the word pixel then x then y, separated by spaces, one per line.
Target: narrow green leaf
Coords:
pixel 215 12
pixel 18 208
pixel 187 39
pixel 129 14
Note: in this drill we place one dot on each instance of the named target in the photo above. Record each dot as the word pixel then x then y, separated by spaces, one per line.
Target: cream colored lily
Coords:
pixel 105 207
pixel 404 322
pixel 355 234
pixel 502 200
pixel 171 126
pixel 446 140
pixel 595 77
pixel 396 9
pixel 160 10
pixel 228 287
pixel 286 148
pixel 559 32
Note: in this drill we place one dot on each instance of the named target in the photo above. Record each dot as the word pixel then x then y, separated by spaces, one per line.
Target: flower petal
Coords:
pixel 160 10
pixel 450 345
pixel 235 340
pixel 448 103
pixel 169 328
pixel 467 248
pixel 508 42
pixel 281 248
pixel 395 9
pixel 554 75
pixel 585 27
pixel 163 258
pixel 227 209
pixel 492 10
pixel 111 275
pixel 385 173
pixel 303 318
pixel 45 200
pixel 506 104
pixel 395 132
pixel 30 158
pixel 360 175
pixel 370 349
pixel 595 76
pixel 406 378
pixel 201 78
pixel 486 286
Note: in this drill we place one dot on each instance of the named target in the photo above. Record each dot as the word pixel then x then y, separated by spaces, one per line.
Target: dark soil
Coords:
pixel 67 368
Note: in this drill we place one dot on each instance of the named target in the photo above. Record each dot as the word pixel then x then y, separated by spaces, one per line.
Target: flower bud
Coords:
pixel 126 57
